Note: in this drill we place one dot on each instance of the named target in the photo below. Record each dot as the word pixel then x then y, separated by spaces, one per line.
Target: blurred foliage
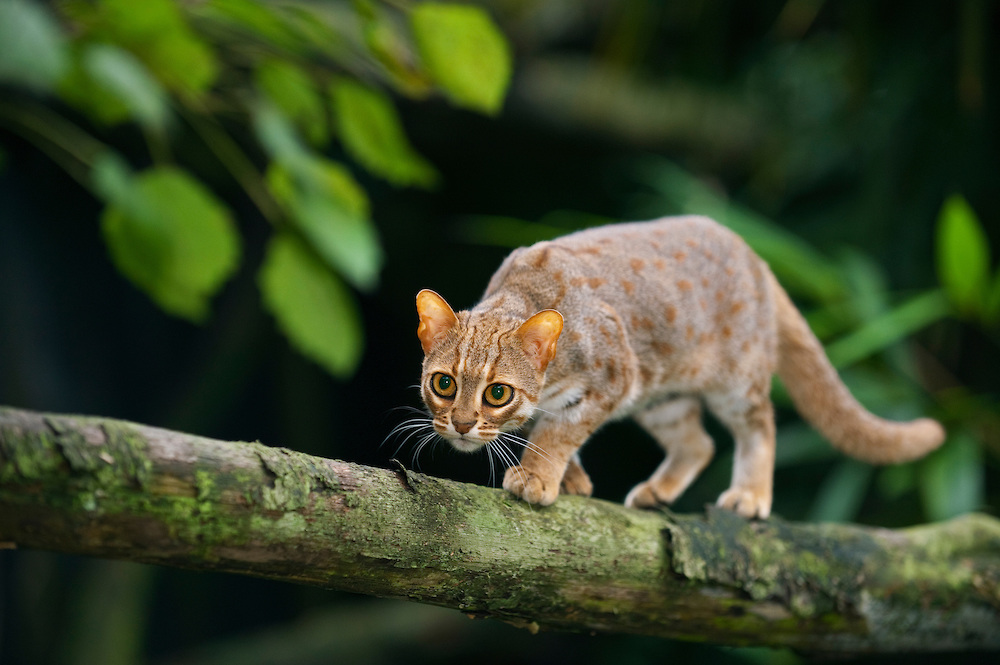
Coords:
pixel 301 73
pixel 329 159
pixel 963 263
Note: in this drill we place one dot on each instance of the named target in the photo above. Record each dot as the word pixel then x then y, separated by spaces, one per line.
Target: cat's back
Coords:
pixel 667 237
pixel 666 248
pixel 666 261
pixel 682 301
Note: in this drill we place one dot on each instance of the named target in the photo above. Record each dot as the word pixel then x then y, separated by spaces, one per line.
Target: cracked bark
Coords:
pixel 108 488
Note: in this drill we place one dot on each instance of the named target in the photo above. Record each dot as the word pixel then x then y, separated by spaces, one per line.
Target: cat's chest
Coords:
pixel 580 397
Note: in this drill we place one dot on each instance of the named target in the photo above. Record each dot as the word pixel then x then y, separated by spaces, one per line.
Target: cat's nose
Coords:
pixel 463 426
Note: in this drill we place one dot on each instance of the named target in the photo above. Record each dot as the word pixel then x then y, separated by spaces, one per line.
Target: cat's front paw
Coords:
pixel 746 502
pixel 529 486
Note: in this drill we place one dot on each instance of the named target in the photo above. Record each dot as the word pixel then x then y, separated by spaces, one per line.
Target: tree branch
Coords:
pixel 108 488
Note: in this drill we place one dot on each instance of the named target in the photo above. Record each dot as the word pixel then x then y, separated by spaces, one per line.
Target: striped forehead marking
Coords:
pixel 463 350
pixel 478 356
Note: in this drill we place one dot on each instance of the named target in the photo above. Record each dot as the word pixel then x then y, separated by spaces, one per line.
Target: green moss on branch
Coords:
pixel 107 488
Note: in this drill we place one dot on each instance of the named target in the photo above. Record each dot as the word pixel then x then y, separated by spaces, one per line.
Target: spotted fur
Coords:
pixel 651 320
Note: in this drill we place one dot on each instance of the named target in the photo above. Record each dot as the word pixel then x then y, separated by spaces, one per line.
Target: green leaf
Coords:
pixel 963 256
pixel 896 480
pixel 464 52
pixel 952 478
pixel 347 242
pixel 293 92
pixel 112 178
pixel 320 29
pixel 256 19
pixel 32 49
pixel 324 176
pixel 321 199
pixel 125 77
pixel 171 237
pixel 311 306
pixel 991 309
pixel 331 210
pixel 277 134
pixel 842 492
pixel 80 90
pixel 387 44
pixel 160 36
pixel 866 280
pixel 372 134
pixel 888 328
pixel 801 444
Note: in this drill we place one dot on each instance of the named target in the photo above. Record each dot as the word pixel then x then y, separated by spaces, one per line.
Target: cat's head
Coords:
pixel 483 373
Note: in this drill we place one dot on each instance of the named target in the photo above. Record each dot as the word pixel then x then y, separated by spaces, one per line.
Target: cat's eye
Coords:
pixel 498 394
pixel 443 385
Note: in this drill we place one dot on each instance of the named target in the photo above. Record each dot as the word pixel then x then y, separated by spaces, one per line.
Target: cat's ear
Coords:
pixel 539 335
pixel 436 318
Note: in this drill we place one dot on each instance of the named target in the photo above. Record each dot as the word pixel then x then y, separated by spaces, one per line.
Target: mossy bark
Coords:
pixel 109 488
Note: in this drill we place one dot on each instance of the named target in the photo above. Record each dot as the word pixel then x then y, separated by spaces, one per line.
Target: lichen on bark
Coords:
pixel 108 488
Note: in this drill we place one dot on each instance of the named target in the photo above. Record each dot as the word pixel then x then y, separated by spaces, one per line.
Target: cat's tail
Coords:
pixel 823 400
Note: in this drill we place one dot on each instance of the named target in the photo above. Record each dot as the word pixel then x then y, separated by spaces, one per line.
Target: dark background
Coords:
pixel 847 123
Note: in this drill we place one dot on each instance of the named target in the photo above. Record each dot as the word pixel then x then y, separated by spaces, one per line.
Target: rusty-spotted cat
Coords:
pixel 651 320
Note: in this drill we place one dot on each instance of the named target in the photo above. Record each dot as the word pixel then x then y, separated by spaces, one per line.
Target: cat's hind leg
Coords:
pixel 749 415
pixel 676 426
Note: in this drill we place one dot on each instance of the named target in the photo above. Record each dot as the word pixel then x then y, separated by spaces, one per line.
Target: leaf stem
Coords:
pixel 233 157
pixel 66 144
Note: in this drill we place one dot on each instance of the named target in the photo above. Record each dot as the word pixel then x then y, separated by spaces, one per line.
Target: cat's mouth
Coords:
pixel 465 444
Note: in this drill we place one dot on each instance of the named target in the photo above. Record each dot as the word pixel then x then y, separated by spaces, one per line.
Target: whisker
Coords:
pixel 507 453
pixel 491 450
pixel 426 440
pixel 425 434
pixel 419 433
pixel 493 470
pixel 406 430
pixel 408 407
pixel 423 419
pixel 419 428
pixel 413 423
pixel 509 458
pixel 528 445
pixel 421 414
